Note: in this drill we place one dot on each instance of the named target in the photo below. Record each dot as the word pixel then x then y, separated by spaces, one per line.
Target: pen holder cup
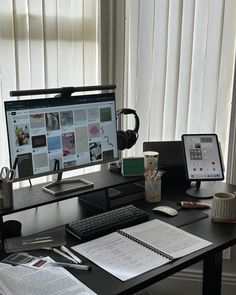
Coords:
pixel 152 190
pixel 6 195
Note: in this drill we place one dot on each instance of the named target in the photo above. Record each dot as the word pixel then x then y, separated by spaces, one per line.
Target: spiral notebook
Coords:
pixel 135 250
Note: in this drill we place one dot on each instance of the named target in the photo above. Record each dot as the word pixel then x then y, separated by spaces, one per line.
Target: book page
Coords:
pixel 120 256
pixel 167 238
pixel 22 280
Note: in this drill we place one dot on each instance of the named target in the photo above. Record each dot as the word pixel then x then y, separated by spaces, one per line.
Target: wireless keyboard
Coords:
pixel 107 222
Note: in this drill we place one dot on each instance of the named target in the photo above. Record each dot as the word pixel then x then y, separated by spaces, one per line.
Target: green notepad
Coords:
pixel 132 166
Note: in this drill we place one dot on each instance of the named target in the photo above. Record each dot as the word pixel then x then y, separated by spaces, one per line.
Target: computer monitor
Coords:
pixel 52 135
pixel 202 161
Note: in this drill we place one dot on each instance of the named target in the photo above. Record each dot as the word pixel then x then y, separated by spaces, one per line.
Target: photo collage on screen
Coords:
pixel 50 139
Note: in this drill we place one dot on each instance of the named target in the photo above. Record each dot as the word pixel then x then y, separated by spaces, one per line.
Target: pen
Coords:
pixel 66 250
pixel 36 242
pixel 60 253
pixel 38 238
pixel 64 255
pixel 70 265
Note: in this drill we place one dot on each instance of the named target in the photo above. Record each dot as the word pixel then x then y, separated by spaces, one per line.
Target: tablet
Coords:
pixel 202 157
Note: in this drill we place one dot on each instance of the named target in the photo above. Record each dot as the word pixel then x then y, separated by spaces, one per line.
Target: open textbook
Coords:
pixel 48 280
pixel 135 250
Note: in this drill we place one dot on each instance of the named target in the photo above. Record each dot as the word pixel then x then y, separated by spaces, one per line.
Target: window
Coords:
pixel 47 44
pixel 179 67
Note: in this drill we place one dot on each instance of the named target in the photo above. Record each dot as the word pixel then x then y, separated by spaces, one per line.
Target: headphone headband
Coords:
pixel 129 112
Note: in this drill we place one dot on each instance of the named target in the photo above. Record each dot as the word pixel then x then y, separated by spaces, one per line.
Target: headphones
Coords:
pixel 126 139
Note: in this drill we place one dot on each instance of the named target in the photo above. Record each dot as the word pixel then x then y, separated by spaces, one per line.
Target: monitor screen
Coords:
pixel 51 135
pixel 202 157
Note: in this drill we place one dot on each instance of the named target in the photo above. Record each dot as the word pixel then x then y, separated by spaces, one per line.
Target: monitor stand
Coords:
pixel 198 192
pixel 63 186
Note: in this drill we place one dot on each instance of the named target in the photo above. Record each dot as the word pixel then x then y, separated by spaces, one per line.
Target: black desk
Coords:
pixel 34 197
pixel 222 236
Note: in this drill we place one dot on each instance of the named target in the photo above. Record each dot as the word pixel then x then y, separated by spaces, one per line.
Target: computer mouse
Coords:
pixel 166 210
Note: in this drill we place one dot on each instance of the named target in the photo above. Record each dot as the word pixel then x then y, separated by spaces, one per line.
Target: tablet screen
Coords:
pixel 202 157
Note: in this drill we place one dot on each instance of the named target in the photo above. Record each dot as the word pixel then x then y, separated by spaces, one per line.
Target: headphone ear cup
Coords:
pixel 131 138
pixel 126 139
pixel 122 140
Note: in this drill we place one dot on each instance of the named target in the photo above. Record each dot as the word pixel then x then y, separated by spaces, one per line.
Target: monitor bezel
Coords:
pixel 57 101
pixel 187 168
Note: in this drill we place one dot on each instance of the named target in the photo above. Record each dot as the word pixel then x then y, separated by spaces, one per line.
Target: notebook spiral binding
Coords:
pixel 146 245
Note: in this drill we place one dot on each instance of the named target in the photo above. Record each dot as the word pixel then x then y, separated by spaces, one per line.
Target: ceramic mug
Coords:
pixel 224 207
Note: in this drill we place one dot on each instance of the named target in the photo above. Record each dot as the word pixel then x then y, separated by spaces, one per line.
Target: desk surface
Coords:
pixel 104 283
pixel 221 235
pixel 31 197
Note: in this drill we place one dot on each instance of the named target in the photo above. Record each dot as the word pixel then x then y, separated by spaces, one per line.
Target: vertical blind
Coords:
pixel 179 67
pixel 231 164
pixel 46 44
